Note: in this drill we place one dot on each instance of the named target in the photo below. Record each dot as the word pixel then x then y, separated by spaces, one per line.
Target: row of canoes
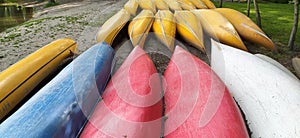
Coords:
pixel 173 5
pixel 225 25
pixel 197 103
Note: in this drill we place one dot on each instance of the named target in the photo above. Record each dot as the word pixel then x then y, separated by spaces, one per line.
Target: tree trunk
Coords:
pixel 295 26
pixel 221 4
pixel 258 18
pixel 51 1
pixel 248 7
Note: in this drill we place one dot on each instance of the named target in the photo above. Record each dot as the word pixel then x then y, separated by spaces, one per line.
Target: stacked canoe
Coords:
pixel 83 101
pixel 189 18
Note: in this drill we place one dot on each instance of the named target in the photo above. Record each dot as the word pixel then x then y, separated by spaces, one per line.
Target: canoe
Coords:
pixel 199 4
pixel 296 65
pixel 221 29
pixel 173 5
pixel 20 79
pixel 131 6
pixel 189 27
pixel 139 27
pixel 275 63
pixel 131 105
pixel 186 5
pixel 268 96
pixel 161 5
pixel 112 27
pixel 147 5
pixel 197 102
pixel 209 4
pixel 164 27
pixel 247 28
pixel 61 107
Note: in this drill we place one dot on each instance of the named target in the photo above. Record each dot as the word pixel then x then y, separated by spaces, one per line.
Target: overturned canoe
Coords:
pixel 275 63
pixel 139 27
pixel 147 5
pixel 61 108
pixel 199 4
pixel 198 104
pixel 20 79
pixel 189 27
pixel 161 5
pixel 220 29
pixel 112 27
pixel 131 6
pixel 247 28
pixel 131 105
pixel 164 28
pixel 186 4
pixel 173 5
pixel 209 4
pixel 268 96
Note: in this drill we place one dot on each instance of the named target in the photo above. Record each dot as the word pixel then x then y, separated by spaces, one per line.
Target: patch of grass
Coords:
pixel 51 4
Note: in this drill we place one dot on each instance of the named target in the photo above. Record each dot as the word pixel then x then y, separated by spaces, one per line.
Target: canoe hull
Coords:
pixel 112 27
pixel 198 103
pixel 21 78
pixel 131 105
pixel 164 28
pixel 247 28
pixel 61 108
pixel 268 96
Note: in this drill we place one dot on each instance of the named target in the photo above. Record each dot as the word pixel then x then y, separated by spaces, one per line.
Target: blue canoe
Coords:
pixel 61 108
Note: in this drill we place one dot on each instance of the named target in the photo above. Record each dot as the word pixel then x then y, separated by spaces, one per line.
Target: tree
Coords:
pixel 295 26
pixel 258 18
pixel 248 7
pixel 51 1
pixel 221 3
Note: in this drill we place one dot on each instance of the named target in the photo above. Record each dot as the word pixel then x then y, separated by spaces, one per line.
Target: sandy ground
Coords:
pixel 79 21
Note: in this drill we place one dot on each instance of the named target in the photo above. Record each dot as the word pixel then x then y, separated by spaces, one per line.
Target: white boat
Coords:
pixel 275 63
pixel 269 97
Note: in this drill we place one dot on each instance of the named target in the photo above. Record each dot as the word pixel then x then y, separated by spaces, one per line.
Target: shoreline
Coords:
pixel 79 21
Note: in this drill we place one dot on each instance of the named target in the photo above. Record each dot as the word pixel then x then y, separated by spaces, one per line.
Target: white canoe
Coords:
pixel 269 97
pixel 275 63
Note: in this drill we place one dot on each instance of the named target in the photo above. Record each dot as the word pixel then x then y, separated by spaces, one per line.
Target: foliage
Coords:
pixel 51 4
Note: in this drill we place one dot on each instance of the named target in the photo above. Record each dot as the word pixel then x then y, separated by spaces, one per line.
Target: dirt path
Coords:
pixel 79 21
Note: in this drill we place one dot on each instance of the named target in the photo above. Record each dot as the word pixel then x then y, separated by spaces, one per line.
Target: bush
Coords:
pixel 51 4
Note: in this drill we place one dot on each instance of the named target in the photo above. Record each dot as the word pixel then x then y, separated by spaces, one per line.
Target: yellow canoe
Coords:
pixel 198 4
pixel 173 5
pixel 219 28
pixel 131 6
pixel 20 79
pixel 189 27
pixel 139 27
pixel 161 5
pixel 147 5
pixel 164 28
pixel 247 28
pixel 186 4
pixel 209 4
pixel 112 27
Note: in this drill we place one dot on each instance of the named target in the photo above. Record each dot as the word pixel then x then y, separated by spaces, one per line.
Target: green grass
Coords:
pixel 277 20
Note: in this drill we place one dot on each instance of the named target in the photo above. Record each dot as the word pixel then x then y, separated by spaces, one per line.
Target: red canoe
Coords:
pixel 198 103
pixel 131 105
